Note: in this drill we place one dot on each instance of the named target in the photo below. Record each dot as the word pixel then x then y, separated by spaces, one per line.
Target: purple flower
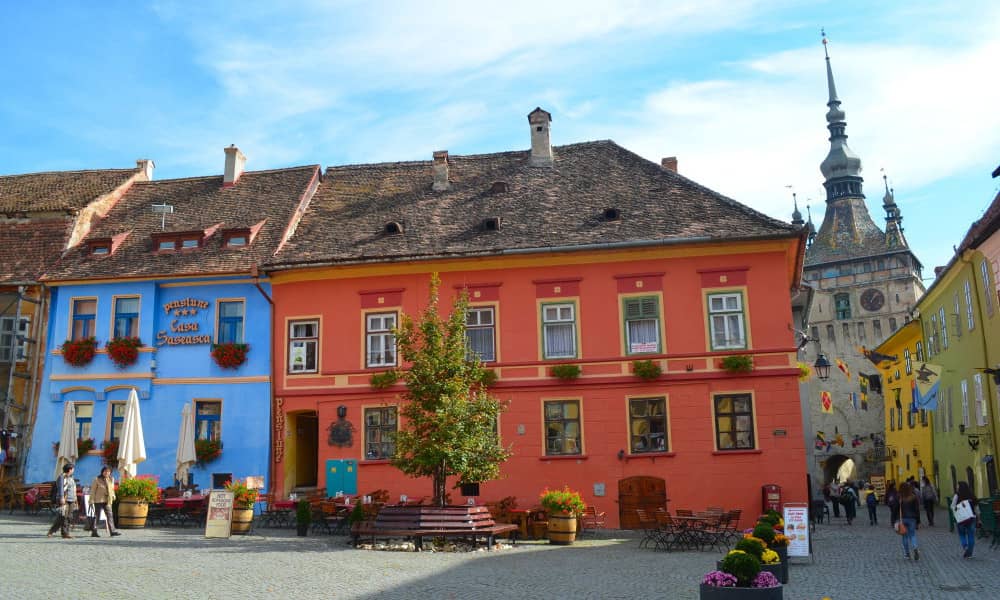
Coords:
pixel 765 579
pixel 719 579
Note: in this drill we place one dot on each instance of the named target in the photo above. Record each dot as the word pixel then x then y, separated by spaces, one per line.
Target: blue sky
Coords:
pixel 736 89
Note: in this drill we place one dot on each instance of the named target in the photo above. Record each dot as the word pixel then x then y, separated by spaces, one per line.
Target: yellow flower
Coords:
pixel 770 557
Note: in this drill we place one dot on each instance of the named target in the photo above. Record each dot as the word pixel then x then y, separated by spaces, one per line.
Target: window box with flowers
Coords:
pixel 79 353
pixel 243 501
pixel 109 450
pixel 124 351
pixel 206 451
pixel 229 355
pixel 563 506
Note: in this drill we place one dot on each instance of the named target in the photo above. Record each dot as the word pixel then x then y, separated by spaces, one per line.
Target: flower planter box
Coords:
pixel 562 528
pixel 783 555
pixel 711 592
pixel 773 568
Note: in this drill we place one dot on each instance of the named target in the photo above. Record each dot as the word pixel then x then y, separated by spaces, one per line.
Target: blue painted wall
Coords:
pixel 162 377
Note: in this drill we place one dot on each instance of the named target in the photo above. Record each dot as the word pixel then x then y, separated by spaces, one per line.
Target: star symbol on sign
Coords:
pixel 177 312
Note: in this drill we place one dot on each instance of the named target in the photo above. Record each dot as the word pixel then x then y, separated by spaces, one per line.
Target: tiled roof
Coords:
pixel 58 190
pixel 542 207
pixel 200 203
pixel 847 233
pixel 984 227
pixel 29 247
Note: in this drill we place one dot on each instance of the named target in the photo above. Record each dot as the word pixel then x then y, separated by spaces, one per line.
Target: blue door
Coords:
pixel 341 476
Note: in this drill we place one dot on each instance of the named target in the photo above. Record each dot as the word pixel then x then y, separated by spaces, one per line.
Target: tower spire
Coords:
pixel 796 215
pixel 841 168
pixel 810 228
pixel 894 237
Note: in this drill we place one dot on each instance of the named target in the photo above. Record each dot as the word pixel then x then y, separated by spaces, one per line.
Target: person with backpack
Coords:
pixel 849 499
pixel 64 499
pixel 963 506
pixel 929 497
pixel 871 501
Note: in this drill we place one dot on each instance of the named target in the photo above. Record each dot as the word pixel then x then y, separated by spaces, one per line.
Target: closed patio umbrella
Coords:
pixel 186 456
pixel 131 447
pixel 67 439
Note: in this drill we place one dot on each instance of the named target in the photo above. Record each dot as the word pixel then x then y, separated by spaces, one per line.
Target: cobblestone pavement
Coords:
pixel 851 562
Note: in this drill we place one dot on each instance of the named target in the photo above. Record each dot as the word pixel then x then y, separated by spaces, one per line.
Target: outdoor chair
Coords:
pixel 591 519
pixel 649 527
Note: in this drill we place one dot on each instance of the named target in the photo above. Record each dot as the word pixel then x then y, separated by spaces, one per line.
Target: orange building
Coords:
pixel 585 255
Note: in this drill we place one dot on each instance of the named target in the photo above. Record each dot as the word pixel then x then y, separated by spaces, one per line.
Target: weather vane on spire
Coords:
pixel 822 32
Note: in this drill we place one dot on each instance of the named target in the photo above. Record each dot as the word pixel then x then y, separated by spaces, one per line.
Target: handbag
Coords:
pixel 963 511
pixel 900 526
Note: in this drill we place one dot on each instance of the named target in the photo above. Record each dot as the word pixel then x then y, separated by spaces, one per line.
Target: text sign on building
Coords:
pixel 183 328
pixel 797 528
pixel 219 521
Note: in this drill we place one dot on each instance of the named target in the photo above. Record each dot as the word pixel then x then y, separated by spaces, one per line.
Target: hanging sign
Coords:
pixel 796 516
pixel 220 514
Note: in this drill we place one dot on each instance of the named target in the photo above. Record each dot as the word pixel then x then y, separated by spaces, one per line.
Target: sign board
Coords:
pixel 796 516
pixel 878 482
pixel 220 514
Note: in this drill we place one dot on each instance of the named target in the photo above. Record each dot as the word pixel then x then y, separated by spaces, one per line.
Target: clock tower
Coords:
pixel 866 281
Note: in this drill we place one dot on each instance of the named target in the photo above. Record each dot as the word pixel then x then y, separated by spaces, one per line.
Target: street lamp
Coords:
pixel 822 367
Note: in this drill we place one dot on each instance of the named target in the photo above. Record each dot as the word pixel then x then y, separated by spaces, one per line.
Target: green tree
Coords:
pixel 450 426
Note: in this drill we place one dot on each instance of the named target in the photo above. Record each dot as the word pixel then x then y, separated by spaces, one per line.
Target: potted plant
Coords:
pixel 739 577
pixel 206 451
pixel 566 372
pixel 109 450
pixel 229 355
pixel 646 369
pixel 124 351
pixel 805 372
pixel 79 353
pixel 563 507
pixel 385 379
pixel 134 497
pixel 303 517
pixel 755 547
pixel 84 445
pixel 243 501
pixel 737 363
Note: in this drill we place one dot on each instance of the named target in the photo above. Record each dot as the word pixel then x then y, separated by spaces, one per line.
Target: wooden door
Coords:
pixel 648 493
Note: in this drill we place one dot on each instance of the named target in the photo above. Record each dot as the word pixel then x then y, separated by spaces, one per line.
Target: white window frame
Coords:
pixel 944 328
pixel 984 270
pixel 10 350
pixel 969 317
pixel 558 315
pixel 725 313
pixel 474 320
pixel 965 403
pixel 299 344
pixel 380 341
pixel 977 386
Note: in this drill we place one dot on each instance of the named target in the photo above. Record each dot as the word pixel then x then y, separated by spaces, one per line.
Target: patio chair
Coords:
pixel 649 527
pixel 669 535
pixel 591 519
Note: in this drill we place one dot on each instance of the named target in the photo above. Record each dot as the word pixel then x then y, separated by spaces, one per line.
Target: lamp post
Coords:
pixel 822 367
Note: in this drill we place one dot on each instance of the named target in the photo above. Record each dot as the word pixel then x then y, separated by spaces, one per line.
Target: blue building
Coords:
pixel 174 264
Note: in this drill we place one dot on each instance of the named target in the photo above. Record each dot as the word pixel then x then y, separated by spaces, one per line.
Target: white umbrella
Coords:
pixel 131 447
pixel 67 439
pixel 186 456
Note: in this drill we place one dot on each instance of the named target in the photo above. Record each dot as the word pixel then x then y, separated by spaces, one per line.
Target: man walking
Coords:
pixel 65 499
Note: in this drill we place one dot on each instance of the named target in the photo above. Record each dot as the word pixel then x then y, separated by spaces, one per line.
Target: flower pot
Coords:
pixel 302 529
pixel 773 568
pixel 242 520
pixel 783 555
pixel 711 592
pixel 562 528
pixel 132 513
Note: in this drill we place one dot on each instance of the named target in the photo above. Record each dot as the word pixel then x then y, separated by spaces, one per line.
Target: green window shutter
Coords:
pixel 641 308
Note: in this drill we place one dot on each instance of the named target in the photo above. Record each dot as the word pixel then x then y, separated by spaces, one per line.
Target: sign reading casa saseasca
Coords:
pixel 188 307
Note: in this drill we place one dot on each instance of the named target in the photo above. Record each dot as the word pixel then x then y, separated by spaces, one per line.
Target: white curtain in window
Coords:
pixel 480 342
pixel 560 341
pixel 643 335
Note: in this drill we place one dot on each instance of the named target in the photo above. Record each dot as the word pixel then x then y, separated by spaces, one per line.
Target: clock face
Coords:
pixel 872 300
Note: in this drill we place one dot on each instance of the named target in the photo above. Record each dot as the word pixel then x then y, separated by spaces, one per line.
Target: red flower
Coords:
pixel 229 355
pixel 79 352
pixel 124 351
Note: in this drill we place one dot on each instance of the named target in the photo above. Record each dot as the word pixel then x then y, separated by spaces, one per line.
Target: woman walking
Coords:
pixel 102 491
pixel 929 498
pixel 909 508
pixel 967 512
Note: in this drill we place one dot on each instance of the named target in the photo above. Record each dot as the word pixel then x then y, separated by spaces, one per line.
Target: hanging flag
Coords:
pixel 877 357
pixel 843 368
pixel 826 402
pixel 856 441
pixel 927 382
pixel 864 401
pixel 840 440
pixel 854 400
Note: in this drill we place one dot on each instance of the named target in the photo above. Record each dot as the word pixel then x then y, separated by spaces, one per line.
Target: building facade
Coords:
pixel 867 282
pixel 584 255
pixel 174 264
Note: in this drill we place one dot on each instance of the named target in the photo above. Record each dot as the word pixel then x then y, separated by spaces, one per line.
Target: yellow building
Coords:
pixel 909 436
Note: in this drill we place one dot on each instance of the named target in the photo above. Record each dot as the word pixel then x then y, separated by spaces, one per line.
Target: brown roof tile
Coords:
pixel 556 206
pixel 30 247
pixel 200 203
pixel 58 190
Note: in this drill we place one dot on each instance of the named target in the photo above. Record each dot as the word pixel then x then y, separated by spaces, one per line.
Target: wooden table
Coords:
pixel 519 517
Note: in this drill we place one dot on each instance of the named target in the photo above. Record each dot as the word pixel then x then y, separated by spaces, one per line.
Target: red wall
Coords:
pixel 696 475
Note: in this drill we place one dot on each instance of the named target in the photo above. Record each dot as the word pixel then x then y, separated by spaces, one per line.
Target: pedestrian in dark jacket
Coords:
pixel 892 501
pixel 929 497
pixel 967 527
pixel 909 507
pixel 65 499
pixel 850 500
pixel 871 501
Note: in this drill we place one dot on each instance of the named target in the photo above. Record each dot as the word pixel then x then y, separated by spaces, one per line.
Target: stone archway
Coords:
pixel 841 468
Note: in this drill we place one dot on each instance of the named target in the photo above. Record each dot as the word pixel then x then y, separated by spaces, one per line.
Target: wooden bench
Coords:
pixel 418 522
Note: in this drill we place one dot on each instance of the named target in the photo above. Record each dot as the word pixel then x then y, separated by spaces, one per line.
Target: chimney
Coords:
pixel 235 162
pixel 669 163
pixel 938 271
pixel 146 166
pixel 440 171
pixel 541 147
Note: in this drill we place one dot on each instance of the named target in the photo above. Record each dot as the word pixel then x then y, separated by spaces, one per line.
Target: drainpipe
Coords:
pixel 255 274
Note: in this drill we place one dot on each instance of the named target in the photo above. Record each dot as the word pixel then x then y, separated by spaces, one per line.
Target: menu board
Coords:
pixel 878 482
pixel 797 528
pixel 219 520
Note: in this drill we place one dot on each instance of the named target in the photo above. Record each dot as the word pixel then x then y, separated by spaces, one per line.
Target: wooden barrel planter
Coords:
pixel 242 520
pixel 132 513
pixel 562 528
